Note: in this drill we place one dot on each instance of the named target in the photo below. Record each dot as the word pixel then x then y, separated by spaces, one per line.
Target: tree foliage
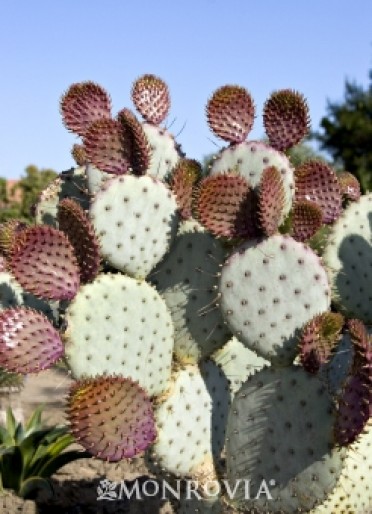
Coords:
pixel 347 132
pixel 30 185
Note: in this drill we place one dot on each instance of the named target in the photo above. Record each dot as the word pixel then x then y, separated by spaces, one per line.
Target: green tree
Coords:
pixel 31 185
pixel 347 132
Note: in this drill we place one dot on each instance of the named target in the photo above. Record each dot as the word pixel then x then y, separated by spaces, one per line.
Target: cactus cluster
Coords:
pixel 202 326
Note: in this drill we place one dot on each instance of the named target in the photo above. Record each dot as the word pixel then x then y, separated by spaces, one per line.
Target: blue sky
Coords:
pixel 195 46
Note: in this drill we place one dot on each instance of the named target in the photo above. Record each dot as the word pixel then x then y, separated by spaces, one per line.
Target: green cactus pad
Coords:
pixel 135 220
pixel 348 256
pixel 187 279
pixel 280 429
pixel 69 184
pixel 96 178
pixel 237 363
pixel 250 159
pixel 10 291
pixel 353 492
pixel 191 420
pixel 118 325
pixel 165 153
pixel 269 290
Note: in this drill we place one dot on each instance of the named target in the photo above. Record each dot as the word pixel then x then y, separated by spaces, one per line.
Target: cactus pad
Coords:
pixel 191 423
pixel 271 201
pixel 280 429
pixel 73 221
pixel 237 363
pixel 250 159
pixel 350 187
pixel 69 184
pixel 318 339
pixel 353 493
pixel 230 113
pixel 28 341
pixel 10 291
pixel 225 204
pixel 108 146
pixel 135 220
pixel 183 181
pixel 44 263
pixel 187 279
pixel 131 334
pixel 286 118
pixel 306 220
pixel 348 256
pixel 165 153
pixel 151 97
pixel 111 417
pixel 83 103
pixel 317 182
pixel 140 147
pixel 269 290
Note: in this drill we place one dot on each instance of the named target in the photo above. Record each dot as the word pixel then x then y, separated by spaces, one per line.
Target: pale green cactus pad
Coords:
pixel 11 292
pixel 164 152
pixel 348 256
pixel 237 362
pixel 269 290
pixel 119 325
pixel 353 492
pixel 191 420
pixel 96 178
pixel 187 278
pixel 70 184
pixel 280 429
pixel 249 159
pixel 135 219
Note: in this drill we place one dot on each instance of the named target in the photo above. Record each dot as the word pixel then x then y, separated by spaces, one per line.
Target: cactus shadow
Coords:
pixel 187 278
pixel 7 297
pixel 353 282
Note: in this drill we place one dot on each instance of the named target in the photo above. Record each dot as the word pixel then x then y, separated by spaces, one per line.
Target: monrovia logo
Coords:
pixel 187 489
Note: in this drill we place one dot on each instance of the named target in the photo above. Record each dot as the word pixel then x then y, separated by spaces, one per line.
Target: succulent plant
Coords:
pixel 176 294
pixel 31 453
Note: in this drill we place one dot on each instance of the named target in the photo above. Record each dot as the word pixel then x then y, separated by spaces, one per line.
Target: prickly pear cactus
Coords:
pixel 195 317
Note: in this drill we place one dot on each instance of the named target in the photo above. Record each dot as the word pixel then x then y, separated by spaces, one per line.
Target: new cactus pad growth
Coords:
pixel 111 417
pixel 44 263
pixel 28 341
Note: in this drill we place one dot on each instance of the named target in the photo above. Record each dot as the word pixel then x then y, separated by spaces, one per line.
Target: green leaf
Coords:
pixel 34 421
pixel 10 422
pixel 5 438
pixel 30 487
pixel 30 445
pixel 55 463
pixel 42 452
pixel 12 465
